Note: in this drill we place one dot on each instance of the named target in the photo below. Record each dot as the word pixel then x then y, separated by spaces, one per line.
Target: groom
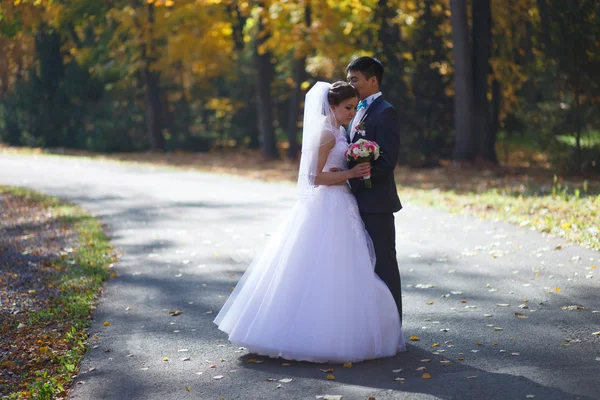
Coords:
pixel 377 120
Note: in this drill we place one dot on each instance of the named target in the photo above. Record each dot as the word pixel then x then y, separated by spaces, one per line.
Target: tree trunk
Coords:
pixel 481 20
pixel 295 100
pixel 296 97
pixel 153 110
pixel 465 146
pixel 264 105
pixel 496 104
pixel 152 88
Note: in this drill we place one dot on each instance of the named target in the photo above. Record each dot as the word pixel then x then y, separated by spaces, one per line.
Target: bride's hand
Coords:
pixel 361 170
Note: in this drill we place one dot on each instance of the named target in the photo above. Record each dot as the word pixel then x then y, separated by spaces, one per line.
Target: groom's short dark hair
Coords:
pixel 369 67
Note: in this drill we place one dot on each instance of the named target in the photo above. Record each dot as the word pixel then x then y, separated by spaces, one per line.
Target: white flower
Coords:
pixel 355 150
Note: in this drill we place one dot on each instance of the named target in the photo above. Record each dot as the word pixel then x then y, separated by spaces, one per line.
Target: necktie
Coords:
pixel 362 104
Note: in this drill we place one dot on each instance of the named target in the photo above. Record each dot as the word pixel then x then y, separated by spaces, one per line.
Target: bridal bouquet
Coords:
pixel 363 151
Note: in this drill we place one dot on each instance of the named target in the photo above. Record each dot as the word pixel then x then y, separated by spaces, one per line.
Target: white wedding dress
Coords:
pixel 313 295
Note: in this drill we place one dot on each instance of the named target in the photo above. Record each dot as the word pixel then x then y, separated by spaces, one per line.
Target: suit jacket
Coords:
pixel 382 126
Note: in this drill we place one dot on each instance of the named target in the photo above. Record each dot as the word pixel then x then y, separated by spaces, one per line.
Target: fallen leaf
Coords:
pixel 478 343
pixel 414 338
pixel 426 375
pixel 165 358
pixel 503 305
pixel 557 289
pixel 515 354
pixel 285 380
pixel 596 333
pixel 425 360
pixel 488 315
pixel 330 378
pixel 175 313
pixel 520 315
pixel 397 370
pixel 270 379
pixel 188 388
pixel 430 303
pixel 401 380
pixel 218 377
pixel 106 323
pixel 327 370
pixel 186 359
pixel 421 369
pixel 435 345
pixel 460 359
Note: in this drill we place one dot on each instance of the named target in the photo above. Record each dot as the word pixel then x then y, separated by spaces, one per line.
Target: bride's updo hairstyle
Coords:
pixel 339 92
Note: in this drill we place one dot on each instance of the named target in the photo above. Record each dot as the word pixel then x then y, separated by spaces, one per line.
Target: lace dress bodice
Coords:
pixel 336 158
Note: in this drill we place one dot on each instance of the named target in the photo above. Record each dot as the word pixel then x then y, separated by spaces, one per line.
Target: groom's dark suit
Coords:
pixel 378 204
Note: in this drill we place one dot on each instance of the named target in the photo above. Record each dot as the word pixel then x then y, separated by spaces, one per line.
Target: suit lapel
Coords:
pixel 366 117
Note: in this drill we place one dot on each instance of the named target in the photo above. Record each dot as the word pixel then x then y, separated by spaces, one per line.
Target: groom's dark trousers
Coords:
pixel 383 234
pixel 378 204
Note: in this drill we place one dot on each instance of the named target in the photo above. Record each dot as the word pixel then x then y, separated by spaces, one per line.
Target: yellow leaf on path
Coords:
pixel 478 343
pixel 188 388
pixel 330 378
pixel 106 323
pixel 460 359
pixel 347 365
pixel 426 375
pixel 430 303
pixel 435 345
pixel 557 289
pixel 593 267
pixel 414 338
pixel 165 358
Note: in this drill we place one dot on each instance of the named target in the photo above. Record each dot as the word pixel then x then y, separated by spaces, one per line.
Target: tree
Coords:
pixel 265 74
pixel 464 149
pixel 570 36
pixel 482 126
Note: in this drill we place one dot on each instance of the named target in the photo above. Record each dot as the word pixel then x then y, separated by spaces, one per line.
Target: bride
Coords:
pixel 313 295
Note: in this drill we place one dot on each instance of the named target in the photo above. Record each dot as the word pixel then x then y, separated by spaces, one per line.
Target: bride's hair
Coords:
pixel 339 92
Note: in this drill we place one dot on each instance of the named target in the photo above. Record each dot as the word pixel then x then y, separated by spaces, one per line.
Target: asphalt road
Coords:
pixel 186 238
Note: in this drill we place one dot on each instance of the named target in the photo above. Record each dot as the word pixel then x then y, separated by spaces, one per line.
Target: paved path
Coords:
pixel 186 238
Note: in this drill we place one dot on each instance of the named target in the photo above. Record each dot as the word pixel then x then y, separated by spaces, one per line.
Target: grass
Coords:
pixel 565 213
pixel 58 330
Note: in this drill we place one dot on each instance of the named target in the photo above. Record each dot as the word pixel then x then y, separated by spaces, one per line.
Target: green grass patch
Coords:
pixel 570 214
pixel 58 330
